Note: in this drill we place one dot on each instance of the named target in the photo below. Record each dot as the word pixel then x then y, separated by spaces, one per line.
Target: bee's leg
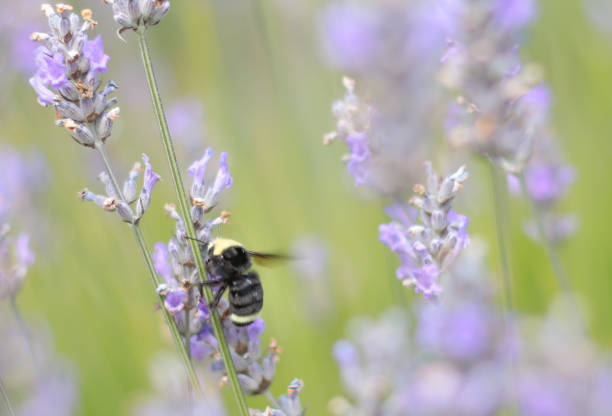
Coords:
pixel 219 293
pixel 217 298
pixel 201 285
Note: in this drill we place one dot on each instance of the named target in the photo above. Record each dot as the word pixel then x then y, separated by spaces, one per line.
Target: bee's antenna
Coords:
pixel 195 239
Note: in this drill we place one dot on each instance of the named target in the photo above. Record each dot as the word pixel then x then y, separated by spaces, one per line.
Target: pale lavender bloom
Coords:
pixel 204 195
pixel 24 176
pixel 53 395
pixel 547 182
pixel 149 181
pixel 351 34
pixel 67 76
pixel 51 68
pixel 463 331
pixel 547 179
pixel 430 245
pixel 186 121
pixel 93 50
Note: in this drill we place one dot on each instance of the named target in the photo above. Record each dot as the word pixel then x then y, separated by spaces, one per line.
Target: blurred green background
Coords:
pixel 267 94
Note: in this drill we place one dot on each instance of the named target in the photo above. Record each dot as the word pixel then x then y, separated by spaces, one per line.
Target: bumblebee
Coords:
pixel 229 263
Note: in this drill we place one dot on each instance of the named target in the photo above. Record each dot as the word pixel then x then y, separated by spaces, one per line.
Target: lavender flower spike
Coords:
pixel 113 202
pixel 135 14
pixel 427 247
pixel 205 197
pixel 68 68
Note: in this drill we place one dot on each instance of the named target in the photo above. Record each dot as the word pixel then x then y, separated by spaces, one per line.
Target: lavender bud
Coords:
pixel 108 184
pixel 125 212
pixel 130 187
pixel 150 179
pixel 105 123
pixel 79 132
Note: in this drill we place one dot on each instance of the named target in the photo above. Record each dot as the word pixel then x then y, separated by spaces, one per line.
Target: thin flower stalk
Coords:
pixel 500 214
pixel 544 239
pixel 184 210
pixel 7 401
pixel 67 78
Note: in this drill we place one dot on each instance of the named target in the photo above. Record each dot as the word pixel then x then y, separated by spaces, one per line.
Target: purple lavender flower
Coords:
pixel 51 68
pixel 499 119
pixel 354 121
pixel 205 196
pixel 67 76
pixel 430 248
pixel 351 34
pixel 547 179
pixel 93 50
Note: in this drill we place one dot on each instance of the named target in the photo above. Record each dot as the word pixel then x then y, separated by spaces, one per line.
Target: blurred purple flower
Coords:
pixel 514 14
pixel 186 119
pixel 350 34
pixel 546 182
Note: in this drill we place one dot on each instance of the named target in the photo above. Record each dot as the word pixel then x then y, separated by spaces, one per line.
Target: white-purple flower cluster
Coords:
pixel 428 241
pixel 68 75
pixel 459 360
pixel 138 14
pixel 393 49
pixel 495 113
pixel 354 125
pixel 182 299
pixel 122 204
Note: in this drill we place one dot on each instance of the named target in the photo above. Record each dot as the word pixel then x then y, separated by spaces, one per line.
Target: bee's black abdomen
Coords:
pixel 245 298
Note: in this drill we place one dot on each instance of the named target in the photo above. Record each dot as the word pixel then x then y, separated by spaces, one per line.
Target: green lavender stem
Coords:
pixel 500 203
pixel 555 262
pixel 7 402
pixel 142 247
pixel 185 213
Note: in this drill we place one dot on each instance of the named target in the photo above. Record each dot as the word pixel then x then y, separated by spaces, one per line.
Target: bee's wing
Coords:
pixel 267 259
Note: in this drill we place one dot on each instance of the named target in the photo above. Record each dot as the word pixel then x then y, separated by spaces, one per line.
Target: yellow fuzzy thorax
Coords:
pixel 219 245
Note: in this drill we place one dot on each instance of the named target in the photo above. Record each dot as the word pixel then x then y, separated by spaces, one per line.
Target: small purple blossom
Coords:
pixel 161 261
pixel 514 14
pixel 93 50
pixel 205 196
pixel 350 34
pixel 429 246
pixel 51 69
